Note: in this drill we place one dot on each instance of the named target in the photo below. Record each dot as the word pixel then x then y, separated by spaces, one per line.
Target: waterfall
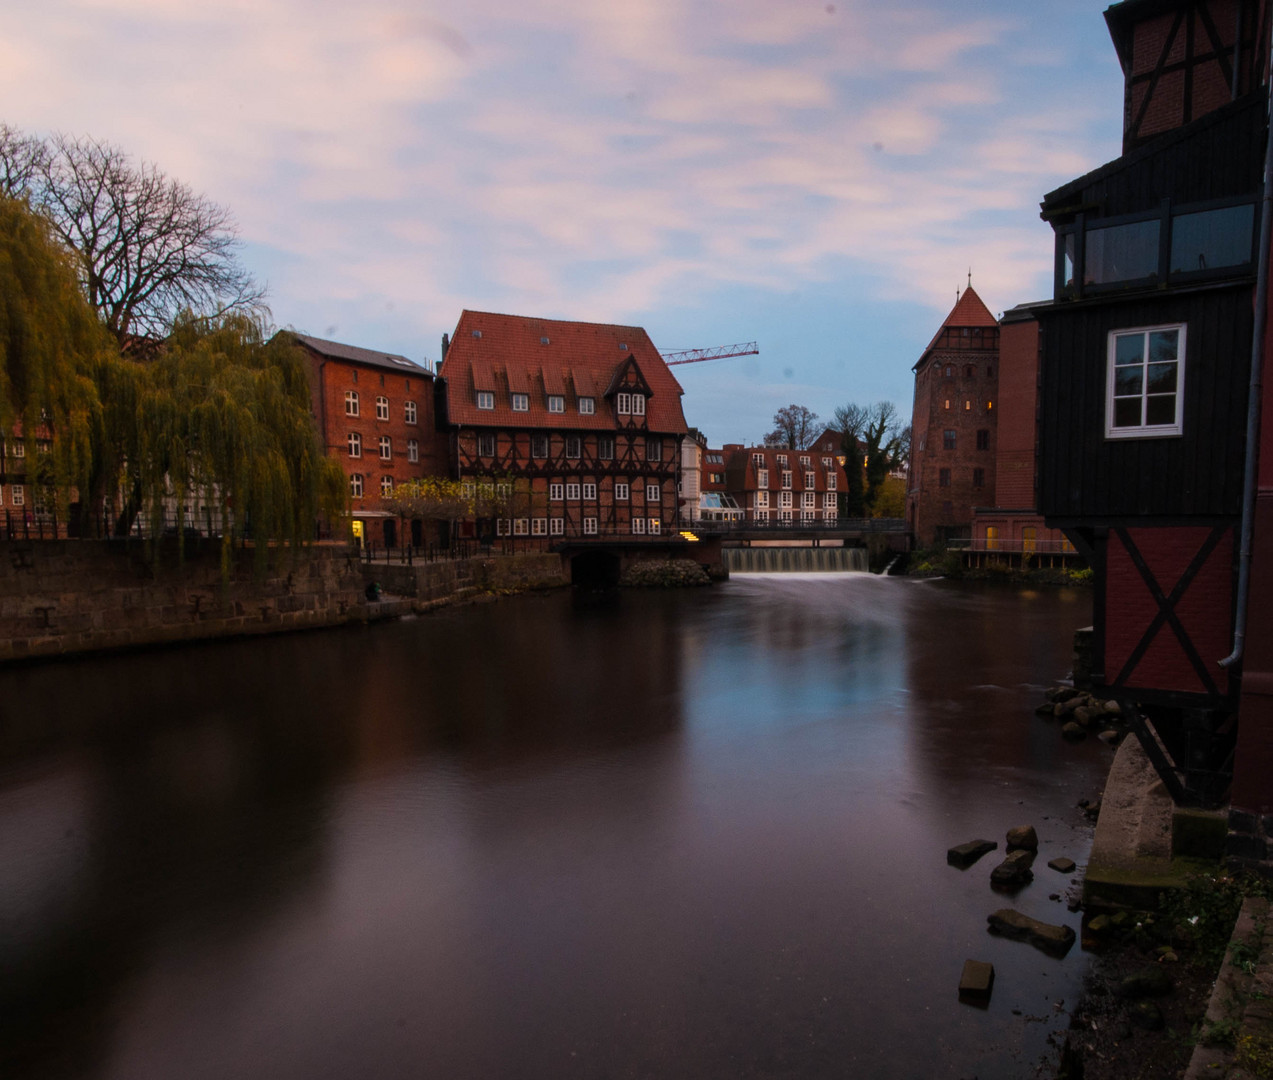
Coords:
pixel 787 560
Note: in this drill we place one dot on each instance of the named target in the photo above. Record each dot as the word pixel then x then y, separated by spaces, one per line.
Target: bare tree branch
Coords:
pixel 793 428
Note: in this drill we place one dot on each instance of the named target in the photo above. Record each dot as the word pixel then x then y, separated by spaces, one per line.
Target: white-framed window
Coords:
pixel 826 462
pixel 555 491
pixel 623 403
pixel 572 492
pixel 386 448
pixel 521 526
pixel 804 461
pixel 652 492
pixel 758 460
pixel 574 446
pixel 351 402
pixel 503 527
pixel 605 447
pixel 539 446
pixel 355 485
pixel 760 499
pixel 809 499
pixel 828 500
pixel 831 481
pixel 786 478
pixel 382 408
pixel 784 515
pixel 556 526
pixel 413 450
pixel 829 514
pixel 539 526
pixel 654 526
pixel 590 526
pixel 486 444
pixel 760 515
pixel 784 500
pixel 808 515
pixel 521 403
pixel 1146 378
pixel 762 478
pixel 1 494
pixel 638 526
pixel 621 490
pixel 386 485
pixel 638 404
pixel 781 459
pixel 587 406
pixel 485 399
pixel 589 490
pixel 409 412
pixel 556 403
pixel 354 442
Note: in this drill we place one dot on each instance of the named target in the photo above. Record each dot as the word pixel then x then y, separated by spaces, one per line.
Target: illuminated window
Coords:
pixel 992 538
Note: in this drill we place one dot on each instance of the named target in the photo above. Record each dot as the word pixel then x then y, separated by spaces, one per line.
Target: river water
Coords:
pixel 669 835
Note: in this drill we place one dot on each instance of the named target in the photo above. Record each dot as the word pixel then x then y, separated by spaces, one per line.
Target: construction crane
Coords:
pixel 693 356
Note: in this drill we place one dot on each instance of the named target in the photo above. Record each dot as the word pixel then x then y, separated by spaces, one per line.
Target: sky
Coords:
pixel 817 177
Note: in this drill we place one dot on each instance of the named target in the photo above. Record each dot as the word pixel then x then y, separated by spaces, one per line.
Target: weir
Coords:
pixel 788 560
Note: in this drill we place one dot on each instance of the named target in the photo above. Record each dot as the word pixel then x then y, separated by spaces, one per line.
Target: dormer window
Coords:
pixel 556 403
pixel 782 460
pixel 623 404
pixel 587 406
pixel 485 399
pixel 638 405
pixel 521 403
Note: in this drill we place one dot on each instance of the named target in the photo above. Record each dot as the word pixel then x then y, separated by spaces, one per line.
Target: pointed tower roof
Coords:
pixel 969 310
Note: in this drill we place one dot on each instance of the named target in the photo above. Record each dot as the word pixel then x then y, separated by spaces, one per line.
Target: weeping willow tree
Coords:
pixel 52 346
pixel 221 430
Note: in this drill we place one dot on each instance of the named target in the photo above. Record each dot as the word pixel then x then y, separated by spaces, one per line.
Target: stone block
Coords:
pixel 1053 940
pixel 1063 866
pixel 964 855
pixel 977 981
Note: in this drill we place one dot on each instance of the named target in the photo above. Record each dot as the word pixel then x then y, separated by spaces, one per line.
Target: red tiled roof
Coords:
pixel 533 356
pixel 742 471
pixel 968 311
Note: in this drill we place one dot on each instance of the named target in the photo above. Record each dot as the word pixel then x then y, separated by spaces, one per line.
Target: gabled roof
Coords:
pixel 969 311
pixel 334 350
pixel 522 354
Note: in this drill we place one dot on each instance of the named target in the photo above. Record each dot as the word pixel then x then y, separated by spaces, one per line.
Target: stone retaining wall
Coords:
pixel 69 596
pixel 430 583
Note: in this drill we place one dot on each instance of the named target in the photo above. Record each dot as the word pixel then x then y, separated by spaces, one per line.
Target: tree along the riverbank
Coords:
pixel 216 416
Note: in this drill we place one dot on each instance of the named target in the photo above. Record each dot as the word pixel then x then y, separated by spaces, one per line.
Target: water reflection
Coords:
pixel 696 834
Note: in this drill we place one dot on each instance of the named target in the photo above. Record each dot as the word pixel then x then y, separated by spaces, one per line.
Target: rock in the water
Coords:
pixel 1071 730
pixel 1146 983
pixel 1047 709
pixel 1098 925
pixel 1015 870
pixel 977 980
pixel 1023 838
pixel 1112 708
pixel 964 855
pixel 1110 736
pixel 1053 940
pixel 1063 693
pixel 1063 866
pixel 1147 1015
pixel 1086 715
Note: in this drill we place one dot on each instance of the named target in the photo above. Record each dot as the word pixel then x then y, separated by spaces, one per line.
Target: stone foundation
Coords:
pixel 1250 844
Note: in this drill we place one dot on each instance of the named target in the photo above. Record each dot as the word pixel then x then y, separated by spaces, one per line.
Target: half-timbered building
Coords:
pixel 1145 362
pixel 582 420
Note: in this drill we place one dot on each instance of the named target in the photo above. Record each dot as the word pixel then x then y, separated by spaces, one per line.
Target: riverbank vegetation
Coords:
pixel 138 376
pixel 939 562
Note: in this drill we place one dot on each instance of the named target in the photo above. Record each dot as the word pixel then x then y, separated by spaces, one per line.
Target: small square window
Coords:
pixel 539 526
pixel 556 403
pixel 587 406
pixel 652 493
pixel 621 490
pixel 521 403
pixel 572 492
pixel 623 404
pixel 556 526
pixel 555 491
pixel 654 526
pixel 485 399
pixel 589 490
pixel 590 526
pixel 638 526
pixel 521 526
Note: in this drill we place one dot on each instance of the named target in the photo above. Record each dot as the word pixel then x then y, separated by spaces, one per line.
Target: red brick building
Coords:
pixel 1009 523
pixel 375 415
pixel 953 423
pixel 772 485
pixel 584 418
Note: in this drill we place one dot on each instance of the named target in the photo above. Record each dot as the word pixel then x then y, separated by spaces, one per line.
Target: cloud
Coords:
pixel 566 157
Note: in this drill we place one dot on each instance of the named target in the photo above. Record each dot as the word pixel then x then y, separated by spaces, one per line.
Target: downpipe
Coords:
pixel 1252 465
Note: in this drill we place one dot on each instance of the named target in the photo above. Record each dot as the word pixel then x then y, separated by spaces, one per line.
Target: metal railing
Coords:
pixel 859 525
pixel 1012 546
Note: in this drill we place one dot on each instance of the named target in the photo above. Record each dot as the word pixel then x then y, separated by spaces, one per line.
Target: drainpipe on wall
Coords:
pixel 1251 474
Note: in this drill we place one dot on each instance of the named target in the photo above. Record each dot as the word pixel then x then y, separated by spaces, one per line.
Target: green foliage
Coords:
pixel 1255 1055
pixel 221 417
pixel 1218 1033
pixel 50 344
pixel 1203 912
pixel 1081 576
pixel 441 499
pixel 890 499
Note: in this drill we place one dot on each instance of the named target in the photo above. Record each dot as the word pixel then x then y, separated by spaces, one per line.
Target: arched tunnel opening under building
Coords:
pixel 595 570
